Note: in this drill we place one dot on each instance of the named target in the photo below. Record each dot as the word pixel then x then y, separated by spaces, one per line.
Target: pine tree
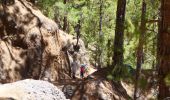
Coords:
pixel 164 51
pixel 119 33
pixel 140 52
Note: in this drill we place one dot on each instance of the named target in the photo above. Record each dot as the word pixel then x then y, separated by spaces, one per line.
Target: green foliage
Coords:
pixel 47 7
pixel 143 83
pixel 88 12
pixel 110 77
pixel 120 72
pixel 167 80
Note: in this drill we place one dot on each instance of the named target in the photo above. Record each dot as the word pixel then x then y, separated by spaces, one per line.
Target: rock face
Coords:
pixel 32 46
pixel 31 90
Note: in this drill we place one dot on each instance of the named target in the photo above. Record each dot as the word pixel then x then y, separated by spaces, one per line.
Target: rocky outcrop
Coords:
pixel 31 90
pixel 32 46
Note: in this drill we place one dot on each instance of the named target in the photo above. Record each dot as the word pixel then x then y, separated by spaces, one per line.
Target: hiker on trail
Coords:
pixel 82 70
pixel 74 67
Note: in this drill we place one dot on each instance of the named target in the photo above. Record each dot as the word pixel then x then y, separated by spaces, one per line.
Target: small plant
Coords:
pixel 167 80
pixel 120 72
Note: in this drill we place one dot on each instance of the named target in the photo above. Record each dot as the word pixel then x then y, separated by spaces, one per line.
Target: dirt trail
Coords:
pixel 92 88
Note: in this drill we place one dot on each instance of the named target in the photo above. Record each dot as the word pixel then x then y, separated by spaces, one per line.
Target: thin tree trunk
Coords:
pixel 108 52
pixel 164 51
pixel 65 24
pixel 100 37
pixel 77 30
pixel 119 33
pixel 140 48
pixel 154 46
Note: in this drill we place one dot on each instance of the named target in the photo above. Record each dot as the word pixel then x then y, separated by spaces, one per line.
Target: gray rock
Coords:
pixel 31 90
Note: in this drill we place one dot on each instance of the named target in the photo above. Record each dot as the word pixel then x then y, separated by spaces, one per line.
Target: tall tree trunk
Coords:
pixel 119 33
pixel 140 48
pixel 65 24
pixel 100 60
pixel 164 50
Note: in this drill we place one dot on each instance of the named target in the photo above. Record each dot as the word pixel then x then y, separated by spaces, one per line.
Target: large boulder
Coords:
pixel 32 46
pixel 31 90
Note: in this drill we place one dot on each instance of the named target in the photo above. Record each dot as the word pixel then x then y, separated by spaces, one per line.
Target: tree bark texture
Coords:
pixel 100 59
pixel 65 23
pixel 164 50
pixel 119 33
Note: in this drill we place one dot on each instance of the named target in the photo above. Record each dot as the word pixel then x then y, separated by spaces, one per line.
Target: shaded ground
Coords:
pixel 95 87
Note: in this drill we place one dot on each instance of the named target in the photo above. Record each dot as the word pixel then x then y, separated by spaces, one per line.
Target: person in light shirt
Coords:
pixel 74 67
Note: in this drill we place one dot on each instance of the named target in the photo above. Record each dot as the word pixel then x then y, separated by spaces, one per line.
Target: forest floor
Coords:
pixel 97 82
